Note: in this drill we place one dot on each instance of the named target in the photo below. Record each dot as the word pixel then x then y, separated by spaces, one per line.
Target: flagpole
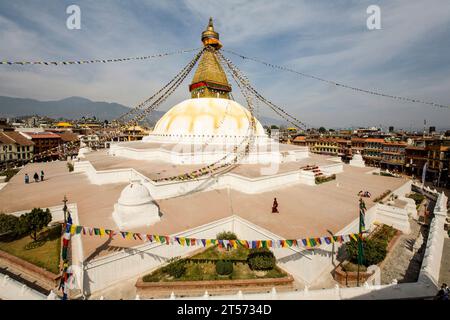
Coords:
pixel 362 207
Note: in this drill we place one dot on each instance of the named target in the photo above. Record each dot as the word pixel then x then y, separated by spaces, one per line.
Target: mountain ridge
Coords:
pixel 75 108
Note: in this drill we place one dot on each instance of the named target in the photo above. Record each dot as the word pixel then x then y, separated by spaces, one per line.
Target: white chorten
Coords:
pixel 357 161
pixel 135 207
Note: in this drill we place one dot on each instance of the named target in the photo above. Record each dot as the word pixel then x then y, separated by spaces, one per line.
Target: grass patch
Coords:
pixel 215 253
pixel 44 253
pixel 417 197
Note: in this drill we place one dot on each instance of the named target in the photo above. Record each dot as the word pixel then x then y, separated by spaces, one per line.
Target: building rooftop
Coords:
pixel 10 137
pixel 43 135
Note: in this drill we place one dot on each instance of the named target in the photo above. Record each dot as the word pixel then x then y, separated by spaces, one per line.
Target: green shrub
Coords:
pixel 9 225
pixel 322 179
pixel 261 259
pixel 176 267
pixel 384 233
pixel 224 267
pixel 375 251
pixel 351 267
pixel 417 197
pixel 9 173
pixel 70 166
pixel 226 235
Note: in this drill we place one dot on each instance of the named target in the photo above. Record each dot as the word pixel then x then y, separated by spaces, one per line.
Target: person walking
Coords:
pixel 42 175
pixel 36 177
pixel 27 178
pixel 275 206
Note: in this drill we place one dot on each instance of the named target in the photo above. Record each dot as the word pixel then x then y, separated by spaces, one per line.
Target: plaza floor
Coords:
pixel 304 210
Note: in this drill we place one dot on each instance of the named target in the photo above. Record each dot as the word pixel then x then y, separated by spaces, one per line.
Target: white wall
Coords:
pixel 133 262
pixel 168 189
pixel 11 289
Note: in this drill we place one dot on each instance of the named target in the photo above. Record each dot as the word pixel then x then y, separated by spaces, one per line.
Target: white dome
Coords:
pixel 135 194
pixel 206 117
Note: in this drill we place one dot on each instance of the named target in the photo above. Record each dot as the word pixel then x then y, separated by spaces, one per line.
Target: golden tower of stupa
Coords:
pixel 209 79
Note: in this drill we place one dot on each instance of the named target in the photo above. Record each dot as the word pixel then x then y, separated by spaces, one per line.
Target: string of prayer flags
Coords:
pixel 188 242
pixel 78 62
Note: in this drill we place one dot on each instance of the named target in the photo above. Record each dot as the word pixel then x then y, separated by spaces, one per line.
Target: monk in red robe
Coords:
pixel 275 206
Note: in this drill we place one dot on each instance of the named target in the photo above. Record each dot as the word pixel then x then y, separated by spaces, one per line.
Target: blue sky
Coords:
pixel 409 56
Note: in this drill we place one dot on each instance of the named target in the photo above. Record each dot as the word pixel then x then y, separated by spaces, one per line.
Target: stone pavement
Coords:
pixel 404 261
pixel 444 274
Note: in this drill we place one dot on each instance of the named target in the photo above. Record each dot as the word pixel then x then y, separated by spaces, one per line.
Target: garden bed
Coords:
pixel 43 253
pixel 382 196
pixel 190 288
pixel 216 270
pixel 322 179
pixel 376 247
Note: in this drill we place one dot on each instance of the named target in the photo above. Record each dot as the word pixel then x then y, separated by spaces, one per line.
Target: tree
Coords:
pixel 274 127
pixel 226 235
pixel 35 221
pixel 9 224
pixel 322 130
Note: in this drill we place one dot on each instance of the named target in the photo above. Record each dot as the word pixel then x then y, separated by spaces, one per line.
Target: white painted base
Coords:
pixel 129 217
pixel 357 161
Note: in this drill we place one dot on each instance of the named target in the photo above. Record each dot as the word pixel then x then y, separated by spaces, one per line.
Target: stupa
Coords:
pixel 210 124
pixel 135 207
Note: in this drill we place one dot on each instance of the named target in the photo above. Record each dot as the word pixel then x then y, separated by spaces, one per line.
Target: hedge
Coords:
pixel 261 259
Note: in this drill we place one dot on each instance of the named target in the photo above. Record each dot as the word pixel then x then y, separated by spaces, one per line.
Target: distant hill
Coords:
pixel 69 108
pixel 75 108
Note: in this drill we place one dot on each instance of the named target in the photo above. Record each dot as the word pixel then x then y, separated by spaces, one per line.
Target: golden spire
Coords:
pixel 209 79
pixel 210 37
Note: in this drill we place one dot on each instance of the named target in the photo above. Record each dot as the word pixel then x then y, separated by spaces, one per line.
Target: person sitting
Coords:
pixel 443 293
pixel 275 206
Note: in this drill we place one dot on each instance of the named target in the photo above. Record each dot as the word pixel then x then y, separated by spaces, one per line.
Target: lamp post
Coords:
pixel 65 209
pixel 362 228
